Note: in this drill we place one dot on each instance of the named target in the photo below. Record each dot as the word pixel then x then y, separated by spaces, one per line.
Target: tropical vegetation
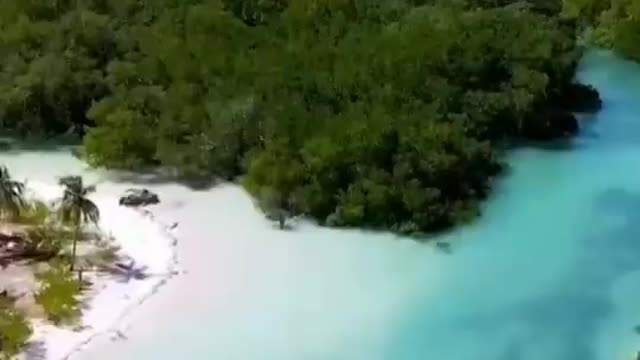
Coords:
pixel 39 236
pixel 11 194
pixel 59 294
pixel 33 213
pixel 389 114
pixel 76 209
pixel 14 329
pixel 612 23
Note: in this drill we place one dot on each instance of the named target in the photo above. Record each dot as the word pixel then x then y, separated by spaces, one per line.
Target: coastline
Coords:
pixel 150 244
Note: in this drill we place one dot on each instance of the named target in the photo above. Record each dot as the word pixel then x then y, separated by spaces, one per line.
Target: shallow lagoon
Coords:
pixel 551 271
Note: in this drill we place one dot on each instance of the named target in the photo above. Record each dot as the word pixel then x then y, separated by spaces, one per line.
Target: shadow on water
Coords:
pixel 562 324
pixel 35 351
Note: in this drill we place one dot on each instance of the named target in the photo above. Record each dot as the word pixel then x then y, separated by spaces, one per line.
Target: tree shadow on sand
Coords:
pixel 126 272
pixel 35 350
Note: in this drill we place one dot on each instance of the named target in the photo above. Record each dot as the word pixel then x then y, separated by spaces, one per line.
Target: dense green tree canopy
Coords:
pixel 382 113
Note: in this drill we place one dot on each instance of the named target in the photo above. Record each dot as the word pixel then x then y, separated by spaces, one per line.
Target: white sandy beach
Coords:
pixel 141 238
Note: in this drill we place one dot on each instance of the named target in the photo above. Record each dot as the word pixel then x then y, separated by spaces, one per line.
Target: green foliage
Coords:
pixel 11 193
pixel 59 294
pixel 619 28
pixel 587 10
pixel 15 331
pixel 254 12
pixel 76 208
pixel 382 113
pixel 46 239
pixel 613 23
pixel 33 213
pixel 121 140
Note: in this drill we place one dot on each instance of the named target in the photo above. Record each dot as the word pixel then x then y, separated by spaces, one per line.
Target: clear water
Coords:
pixel 551 271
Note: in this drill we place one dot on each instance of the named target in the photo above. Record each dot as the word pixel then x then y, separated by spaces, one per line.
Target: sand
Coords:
pixel 141 238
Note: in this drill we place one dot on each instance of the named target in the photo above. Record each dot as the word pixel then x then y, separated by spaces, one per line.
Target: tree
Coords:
pixel 76 209
pixel 11 193
pixel 45 240
pixel 275 206
pixel 408 140
pixel 618 27
pixel 254 12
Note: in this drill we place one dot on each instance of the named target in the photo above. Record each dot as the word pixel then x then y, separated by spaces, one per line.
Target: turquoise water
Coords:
pixel 550 272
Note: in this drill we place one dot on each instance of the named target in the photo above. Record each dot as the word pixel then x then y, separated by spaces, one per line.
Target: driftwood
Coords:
pixel 138 197
pixel 16 248
pixel 6 238
pixel 25 254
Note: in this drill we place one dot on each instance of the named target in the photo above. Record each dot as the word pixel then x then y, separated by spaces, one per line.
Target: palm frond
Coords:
pixel 75 207
pixel 71 181
pixel 90 211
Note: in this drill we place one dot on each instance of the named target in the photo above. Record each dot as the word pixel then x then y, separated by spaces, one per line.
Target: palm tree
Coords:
pixel 11 193
pixel 76 209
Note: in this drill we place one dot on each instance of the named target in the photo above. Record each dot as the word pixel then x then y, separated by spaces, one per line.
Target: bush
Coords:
pixel 59 294
pixel 46 239
pixel 35 213
pixel 409 139
pixel 14 330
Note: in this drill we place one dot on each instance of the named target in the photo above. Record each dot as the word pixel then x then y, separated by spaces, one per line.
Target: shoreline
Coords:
pixel 110 301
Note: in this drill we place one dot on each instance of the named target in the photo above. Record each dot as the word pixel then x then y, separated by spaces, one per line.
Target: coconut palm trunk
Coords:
pixel 74 246
pixel 76 209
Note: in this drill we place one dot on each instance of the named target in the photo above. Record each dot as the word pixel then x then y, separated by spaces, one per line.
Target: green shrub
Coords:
pixel 59 294
pixel 47 239
pixel 35 213
pixel 14 330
